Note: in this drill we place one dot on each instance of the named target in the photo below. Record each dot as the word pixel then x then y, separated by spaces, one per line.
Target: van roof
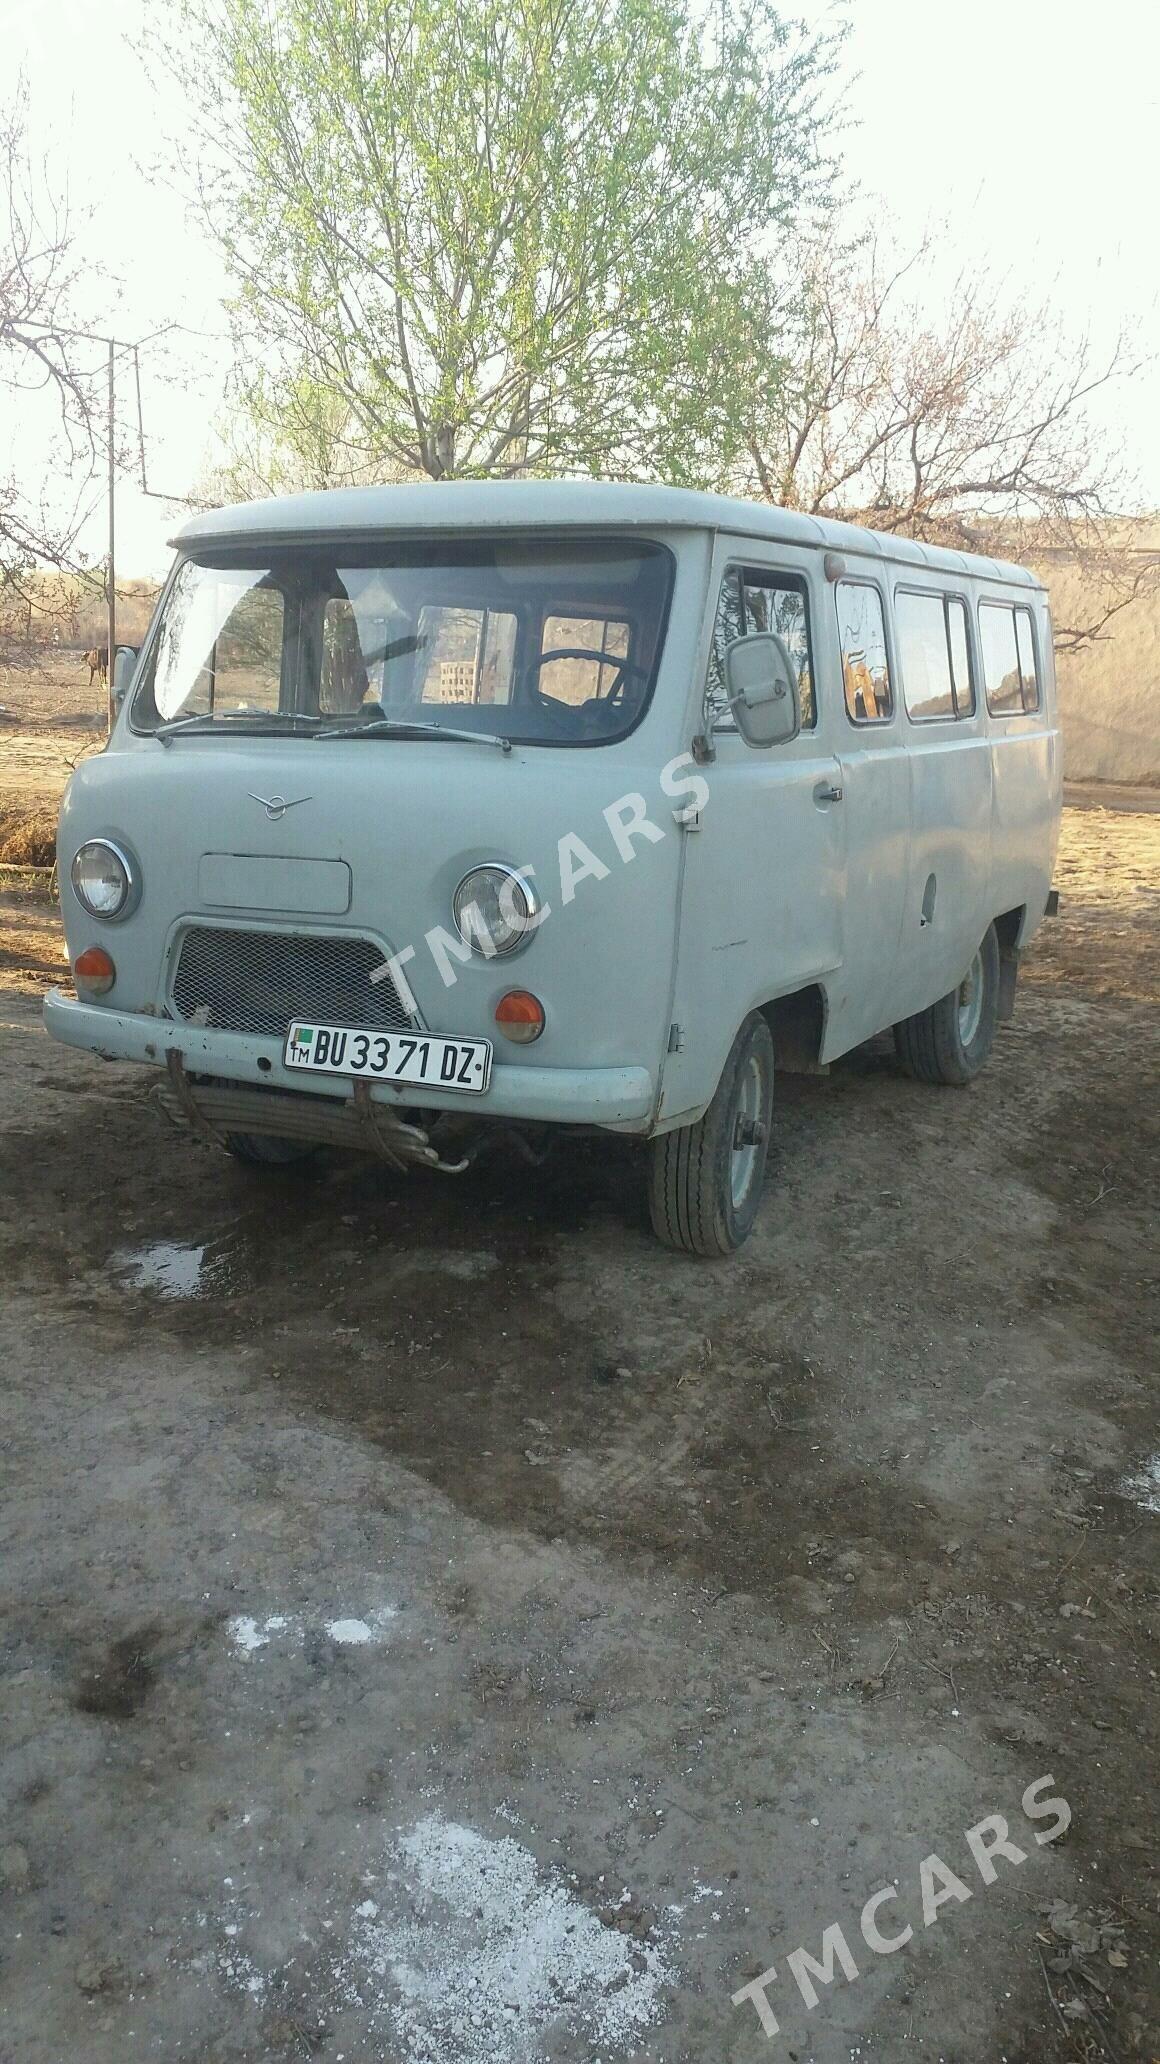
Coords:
pixel 490 505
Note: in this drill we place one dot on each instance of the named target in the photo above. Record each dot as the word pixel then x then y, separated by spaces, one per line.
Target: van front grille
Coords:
pixel 242 981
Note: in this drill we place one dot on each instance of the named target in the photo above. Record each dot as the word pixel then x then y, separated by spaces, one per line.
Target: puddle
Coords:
pixel 1143 1488
pixel 165 1266
pixel 176 1268
pixel 231 1262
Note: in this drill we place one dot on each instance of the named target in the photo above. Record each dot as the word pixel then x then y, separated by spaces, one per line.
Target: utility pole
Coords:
pixel 115 344
pixel 112 573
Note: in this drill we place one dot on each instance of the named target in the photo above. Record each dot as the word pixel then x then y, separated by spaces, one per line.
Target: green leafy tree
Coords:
pixel 485 239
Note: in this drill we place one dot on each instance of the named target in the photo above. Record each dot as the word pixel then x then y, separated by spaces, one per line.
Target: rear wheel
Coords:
pixel 258 1150
pixel 950 1041
pixel 705 1180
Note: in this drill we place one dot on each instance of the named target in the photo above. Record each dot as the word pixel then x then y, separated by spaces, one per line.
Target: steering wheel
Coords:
pixel 548 704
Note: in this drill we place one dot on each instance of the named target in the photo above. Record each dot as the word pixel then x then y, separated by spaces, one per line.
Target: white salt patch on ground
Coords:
pixel 235 1966
pixel 249 1634
pixel 1144 1487
pixel 489 1952
pixel 246 1634
pixel 353 1632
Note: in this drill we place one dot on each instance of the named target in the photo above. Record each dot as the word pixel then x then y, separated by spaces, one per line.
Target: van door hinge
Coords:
pixel 676 1039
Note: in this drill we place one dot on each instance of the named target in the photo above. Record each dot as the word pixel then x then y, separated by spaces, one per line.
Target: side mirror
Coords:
pixel 761 684
pixel 124 662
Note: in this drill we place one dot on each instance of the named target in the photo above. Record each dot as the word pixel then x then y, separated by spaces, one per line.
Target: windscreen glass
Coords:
pixel 543 641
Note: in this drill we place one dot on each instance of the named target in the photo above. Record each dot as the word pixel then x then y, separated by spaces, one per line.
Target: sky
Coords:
pixel 1022 132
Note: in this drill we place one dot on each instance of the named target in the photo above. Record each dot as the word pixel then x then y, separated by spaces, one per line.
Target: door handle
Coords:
pixel 823 793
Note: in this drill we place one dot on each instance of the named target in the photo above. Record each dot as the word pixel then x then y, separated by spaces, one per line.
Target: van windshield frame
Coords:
pixel 537 639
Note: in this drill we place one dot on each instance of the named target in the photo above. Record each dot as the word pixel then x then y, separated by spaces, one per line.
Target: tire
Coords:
pixel 257 1150
pixel 704 1183
pixel 950 1041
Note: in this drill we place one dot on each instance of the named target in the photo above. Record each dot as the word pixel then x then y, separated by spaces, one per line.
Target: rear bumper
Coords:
pixel 621 1099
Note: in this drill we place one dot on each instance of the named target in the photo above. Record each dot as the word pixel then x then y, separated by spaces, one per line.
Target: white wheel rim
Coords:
pixel 971 1000
pixel 748 1114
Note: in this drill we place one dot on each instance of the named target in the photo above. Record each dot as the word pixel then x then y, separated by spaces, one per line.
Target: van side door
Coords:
pixel 948 906
pixel 761 906
pixel 1026 757
pixel 875 781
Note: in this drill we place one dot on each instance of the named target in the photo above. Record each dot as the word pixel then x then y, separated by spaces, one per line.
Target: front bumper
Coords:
pixel 620 1099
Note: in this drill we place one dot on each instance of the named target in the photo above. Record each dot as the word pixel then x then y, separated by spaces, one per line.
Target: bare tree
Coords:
pixel 976 430
pixel 41 358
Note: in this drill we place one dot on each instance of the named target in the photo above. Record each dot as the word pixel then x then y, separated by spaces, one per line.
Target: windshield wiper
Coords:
pixel 394 727
pixel 283 724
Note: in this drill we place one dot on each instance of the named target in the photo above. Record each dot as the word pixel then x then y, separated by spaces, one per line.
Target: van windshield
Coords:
pixel 544 641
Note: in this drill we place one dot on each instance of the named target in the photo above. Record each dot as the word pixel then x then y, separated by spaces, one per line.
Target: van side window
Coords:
pixel 1009 668
pixel 1025 640
pixel 865 664
pixel 755 599
pixel 934 654
pixel 962 677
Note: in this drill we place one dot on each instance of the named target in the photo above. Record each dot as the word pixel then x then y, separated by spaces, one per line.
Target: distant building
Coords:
pixel 456 681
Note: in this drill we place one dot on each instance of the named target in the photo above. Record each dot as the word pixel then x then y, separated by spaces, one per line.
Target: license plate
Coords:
pixel 419 1057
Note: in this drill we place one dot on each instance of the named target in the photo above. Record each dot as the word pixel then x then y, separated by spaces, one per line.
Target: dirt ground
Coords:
pixel 440 1626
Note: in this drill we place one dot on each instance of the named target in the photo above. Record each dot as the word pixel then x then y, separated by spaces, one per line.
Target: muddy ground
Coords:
pixel 440 1626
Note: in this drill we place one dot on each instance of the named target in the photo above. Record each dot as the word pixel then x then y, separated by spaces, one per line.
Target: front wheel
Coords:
pixel 705 1180
pixel 950 1041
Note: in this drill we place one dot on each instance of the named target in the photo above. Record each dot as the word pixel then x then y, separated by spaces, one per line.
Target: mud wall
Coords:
pixel 1109 694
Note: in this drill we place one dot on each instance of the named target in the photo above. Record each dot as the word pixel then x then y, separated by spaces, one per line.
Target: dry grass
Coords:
pixel 30 842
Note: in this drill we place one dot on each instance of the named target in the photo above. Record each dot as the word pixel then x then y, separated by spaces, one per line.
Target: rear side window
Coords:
pixel 1009 667
pixel 962 674
pixel 934 654
pixel 1028 675
pixel 865 662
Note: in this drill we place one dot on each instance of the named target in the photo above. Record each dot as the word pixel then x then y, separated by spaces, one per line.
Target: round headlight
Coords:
pixel 495 909
pixel 103 879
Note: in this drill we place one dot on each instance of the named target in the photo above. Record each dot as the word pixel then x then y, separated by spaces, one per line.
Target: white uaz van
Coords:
pixel 557 805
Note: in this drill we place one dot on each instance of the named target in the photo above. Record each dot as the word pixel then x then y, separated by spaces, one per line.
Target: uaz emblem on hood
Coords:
pixel 276 805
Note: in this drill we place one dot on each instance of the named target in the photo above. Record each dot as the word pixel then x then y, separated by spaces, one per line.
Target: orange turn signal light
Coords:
pixel 520 1016
pixel 93 971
